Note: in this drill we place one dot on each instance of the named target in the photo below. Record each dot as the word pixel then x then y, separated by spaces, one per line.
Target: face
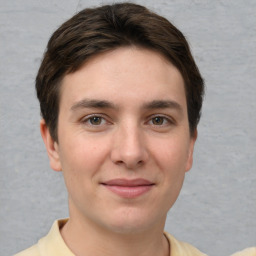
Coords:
pixel 123 139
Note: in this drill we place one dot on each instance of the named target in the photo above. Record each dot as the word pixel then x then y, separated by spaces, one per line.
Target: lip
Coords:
pixel 128 188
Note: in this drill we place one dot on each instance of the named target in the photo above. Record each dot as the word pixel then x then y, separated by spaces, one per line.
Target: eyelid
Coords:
pixel 169 119
pixel 86 118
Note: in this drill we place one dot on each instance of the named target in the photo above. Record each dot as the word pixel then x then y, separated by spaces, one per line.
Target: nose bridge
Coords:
pixel 129 146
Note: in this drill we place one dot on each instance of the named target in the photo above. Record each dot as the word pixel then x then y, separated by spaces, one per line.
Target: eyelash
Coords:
pixel 87 119
pixel 165 120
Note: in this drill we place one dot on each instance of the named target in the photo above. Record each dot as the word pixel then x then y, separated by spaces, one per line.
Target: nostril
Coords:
pixel 130 165
pixel 119 162
pixel 140 162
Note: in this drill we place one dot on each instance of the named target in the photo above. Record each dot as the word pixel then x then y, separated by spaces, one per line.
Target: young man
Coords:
pixel 120 97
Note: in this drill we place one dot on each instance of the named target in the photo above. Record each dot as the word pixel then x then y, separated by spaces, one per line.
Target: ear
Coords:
pixel 51 146
pixel 193 138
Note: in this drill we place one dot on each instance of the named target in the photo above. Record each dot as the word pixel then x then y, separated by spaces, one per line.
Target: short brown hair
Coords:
pixel 101 29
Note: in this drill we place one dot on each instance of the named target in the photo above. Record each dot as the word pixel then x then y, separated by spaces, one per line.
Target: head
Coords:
pixel 123 151
pixel 103 29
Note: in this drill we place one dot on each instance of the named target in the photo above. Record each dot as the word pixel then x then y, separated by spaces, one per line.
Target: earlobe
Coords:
pixel 191 151
pixel 51 146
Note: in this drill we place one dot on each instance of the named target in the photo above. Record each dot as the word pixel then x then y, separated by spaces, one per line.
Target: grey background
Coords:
pixel 217 206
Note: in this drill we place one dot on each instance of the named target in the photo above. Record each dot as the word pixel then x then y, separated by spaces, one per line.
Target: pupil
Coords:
pixel 96 120
pixel 158 120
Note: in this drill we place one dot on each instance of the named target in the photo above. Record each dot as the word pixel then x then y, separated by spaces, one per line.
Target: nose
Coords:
pixel 129 147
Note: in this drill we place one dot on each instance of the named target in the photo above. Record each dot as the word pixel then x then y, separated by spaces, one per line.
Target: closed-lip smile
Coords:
pixel 127 188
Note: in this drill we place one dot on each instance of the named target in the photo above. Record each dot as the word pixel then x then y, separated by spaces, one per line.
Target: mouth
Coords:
pixel 128 188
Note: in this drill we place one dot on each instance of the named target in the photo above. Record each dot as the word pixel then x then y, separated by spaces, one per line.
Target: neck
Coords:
pixel 84 238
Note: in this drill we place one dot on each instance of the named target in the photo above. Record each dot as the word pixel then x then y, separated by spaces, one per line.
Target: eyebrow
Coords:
pixel 155 104
pixel 163 104
pixel 91 103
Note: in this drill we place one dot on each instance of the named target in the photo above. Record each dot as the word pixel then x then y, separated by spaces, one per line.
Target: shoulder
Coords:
pixel 32 251
pixel 179 248
pixel 51 244
pixel 246 252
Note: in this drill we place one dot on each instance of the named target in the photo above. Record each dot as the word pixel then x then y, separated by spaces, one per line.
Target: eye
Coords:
pixel 159 121
pixel 94 120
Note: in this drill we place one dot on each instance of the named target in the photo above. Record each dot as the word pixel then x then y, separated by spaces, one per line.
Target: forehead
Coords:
pixel 124 73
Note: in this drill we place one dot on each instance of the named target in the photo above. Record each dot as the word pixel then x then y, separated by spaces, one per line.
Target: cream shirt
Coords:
pixel 53 245
pixel 246 252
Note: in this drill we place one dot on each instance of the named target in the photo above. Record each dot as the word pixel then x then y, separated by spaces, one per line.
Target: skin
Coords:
pixel 123 114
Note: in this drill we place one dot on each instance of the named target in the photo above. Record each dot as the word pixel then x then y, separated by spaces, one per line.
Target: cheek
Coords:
pixel 171 160
pixel 82 156
pixel 172 155
pixel 81 163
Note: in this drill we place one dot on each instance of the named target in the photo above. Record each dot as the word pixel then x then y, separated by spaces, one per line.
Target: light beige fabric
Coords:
pixel 179 248
pixel 246 252
pixel 53 245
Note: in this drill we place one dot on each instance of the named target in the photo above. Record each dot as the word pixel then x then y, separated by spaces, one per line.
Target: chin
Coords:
pixel 132 221
pixel 129 228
